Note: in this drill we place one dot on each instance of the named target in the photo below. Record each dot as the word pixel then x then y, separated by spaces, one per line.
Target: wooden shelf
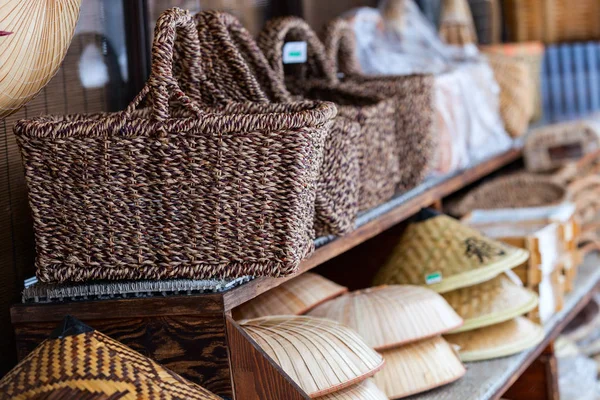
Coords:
pixel 490 379
pixel 376 221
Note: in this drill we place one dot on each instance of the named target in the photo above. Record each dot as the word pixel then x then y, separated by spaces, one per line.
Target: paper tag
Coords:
pixel 436 277
pixel 294 53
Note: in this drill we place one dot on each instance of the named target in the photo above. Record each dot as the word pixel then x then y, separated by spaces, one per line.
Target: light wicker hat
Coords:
pixel 498 340
pixel 417 367
pixel 320 355
pixel 34 38
pixel 77 362
pixel 366 390
pixel 440 252
pixel 294 297
pixel 491 302
pixel 388 316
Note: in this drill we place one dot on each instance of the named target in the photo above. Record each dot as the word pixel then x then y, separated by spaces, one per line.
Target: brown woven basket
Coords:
pixel 235 64
pixel 552 20
pixel 376 114
pixel 511 191
pixel 415 142
pixel 516 92
pixel 155 194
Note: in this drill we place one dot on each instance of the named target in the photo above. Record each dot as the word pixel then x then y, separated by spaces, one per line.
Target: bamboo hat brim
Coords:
pixel 320 355
pixel 498 340
pixel 294 297
pixel 418 367
pixel 445 255
pixel 491 302
pixel 388 316
pixel 366 390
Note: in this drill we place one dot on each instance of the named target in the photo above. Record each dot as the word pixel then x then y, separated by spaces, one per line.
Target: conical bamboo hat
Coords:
pixel 34 38
pixel 440 252
pixel 320 355
pixel 388 316
pixel 418 367
pixel 498 340
pixel 366 390
pixel 294 297
pixel 491 302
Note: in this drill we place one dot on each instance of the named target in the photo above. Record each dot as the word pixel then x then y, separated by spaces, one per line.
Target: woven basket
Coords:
pixel 456 23
pixel 415 141
pixel 320 355
pixel 366 390
pixel 586 165
pixel 440 252
pixel 389 316
pixel 555 145
pixel 235 64
pixel 511 191
pixel 532 54
pixel 294 297
pixel 378 162
pixel 418 367
pixel 34 37
pixel 516 92
pixel 498 340
pixel 491 302
pixel 77 362
pixel 552 21
pixel 200 194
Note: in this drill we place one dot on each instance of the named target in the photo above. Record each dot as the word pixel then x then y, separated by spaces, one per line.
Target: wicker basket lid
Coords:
pixel 511 191
pixel 294 297
pixel 491 302
pixel 97 367
pixel 418 367
pixel 498 340
pixel 320 355
pixel 34 38
pixel 388 316
pixel 440 252
pixel 366 390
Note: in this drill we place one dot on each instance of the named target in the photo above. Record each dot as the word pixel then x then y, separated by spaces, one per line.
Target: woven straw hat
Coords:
pixel 294 297
pixel 77 362
pixel 34 38
pixel 320 355
pixel 366 390
pixel 388 316
pixel 440 252
pixel 417 367
pixel 491 302
pixel 498 340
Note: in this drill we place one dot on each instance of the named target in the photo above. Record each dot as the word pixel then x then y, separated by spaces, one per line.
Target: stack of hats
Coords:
pixel 404 324
pixel 326 359
pixel 469 269
pixel 294 297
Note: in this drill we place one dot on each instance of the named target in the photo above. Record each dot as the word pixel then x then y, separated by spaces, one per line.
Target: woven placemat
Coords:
pixel 38 292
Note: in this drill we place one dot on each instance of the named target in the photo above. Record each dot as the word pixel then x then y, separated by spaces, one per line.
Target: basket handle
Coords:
pixel 247 67
pixel 162 85
pixel 273 36
pixel 340 47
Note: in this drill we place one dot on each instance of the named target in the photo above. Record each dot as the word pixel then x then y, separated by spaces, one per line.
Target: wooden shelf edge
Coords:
pixel 456 181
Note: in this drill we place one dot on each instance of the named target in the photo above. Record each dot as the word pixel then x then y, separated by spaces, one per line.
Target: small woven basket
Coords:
pixel 456 23
pixel 316 79
pixel 159 193
pixel 235 64
pixel 516 92
pixel 531 53
pixel 415 143
pixel 512 191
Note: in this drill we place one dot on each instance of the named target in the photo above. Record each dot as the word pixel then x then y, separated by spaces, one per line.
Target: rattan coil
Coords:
pixel 223 192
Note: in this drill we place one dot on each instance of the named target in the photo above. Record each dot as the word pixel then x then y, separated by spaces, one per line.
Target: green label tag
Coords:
pixel 435 277
pixel 294 53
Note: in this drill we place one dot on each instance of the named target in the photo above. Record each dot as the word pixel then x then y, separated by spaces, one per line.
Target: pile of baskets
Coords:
pixel 237 163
